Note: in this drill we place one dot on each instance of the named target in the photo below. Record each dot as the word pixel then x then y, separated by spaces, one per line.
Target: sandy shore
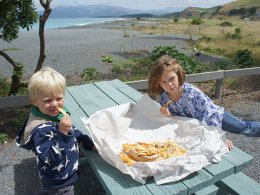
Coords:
pixel 71 50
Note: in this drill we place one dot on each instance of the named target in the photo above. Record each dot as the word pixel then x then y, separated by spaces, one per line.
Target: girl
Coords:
pixel 166 78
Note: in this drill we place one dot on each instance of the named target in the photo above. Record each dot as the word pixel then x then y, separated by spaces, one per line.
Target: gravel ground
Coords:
pixel 85 48
pixel 18 173
pixel 248 110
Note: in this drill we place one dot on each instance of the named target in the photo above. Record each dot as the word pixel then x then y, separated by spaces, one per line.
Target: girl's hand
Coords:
pixel 165 111
pixel 230 144
pixel 65 124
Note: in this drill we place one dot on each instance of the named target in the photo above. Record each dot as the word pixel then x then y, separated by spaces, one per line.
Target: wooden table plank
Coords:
pixel 220 170
pixel 177 188
pixel 115 182
pixel 238 184
pixel 211 190
pixel 90 98
pixel 76 113
pixel 126 89
pixel 239 159
pixel 198 180
pixel 113 93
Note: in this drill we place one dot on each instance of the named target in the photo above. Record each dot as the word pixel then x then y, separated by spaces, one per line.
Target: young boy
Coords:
pixel 49 133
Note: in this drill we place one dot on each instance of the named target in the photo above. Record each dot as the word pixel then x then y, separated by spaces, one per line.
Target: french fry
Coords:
pixel 62 111
pixel 167 103
pixel 147 152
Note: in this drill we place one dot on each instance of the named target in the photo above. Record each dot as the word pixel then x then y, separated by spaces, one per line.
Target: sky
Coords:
pixel 139 4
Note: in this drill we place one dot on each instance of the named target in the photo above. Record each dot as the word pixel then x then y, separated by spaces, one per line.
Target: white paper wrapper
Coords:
pixel 127 123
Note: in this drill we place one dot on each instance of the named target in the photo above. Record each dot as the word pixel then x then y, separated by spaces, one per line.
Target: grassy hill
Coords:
pixel 240 4
pixel 240 8
pixel 191 12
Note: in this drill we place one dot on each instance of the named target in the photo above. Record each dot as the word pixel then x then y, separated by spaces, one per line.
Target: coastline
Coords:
pixel 70 50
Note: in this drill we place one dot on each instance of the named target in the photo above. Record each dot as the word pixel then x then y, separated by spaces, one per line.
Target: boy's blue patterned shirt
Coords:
pixel 195 104
pixel 57 154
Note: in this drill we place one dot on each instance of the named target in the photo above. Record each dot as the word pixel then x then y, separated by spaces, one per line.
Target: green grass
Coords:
pixel 3 138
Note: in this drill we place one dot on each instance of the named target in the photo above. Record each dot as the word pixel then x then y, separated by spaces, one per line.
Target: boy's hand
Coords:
pixel 94 148
pixel 65 124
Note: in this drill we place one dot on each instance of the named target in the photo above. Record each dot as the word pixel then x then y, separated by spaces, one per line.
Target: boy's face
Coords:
pixel 48 104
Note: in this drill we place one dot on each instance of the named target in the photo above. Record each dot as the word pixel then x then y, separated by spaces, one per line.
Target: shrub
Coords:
pixel 205 38
pixel 235 35
pixel 224 65
pixel 141 61
pixel 90 74
pixel 116 68
pixel 108 59
pixel 256 44
pixel 189 64
pixel 197 21
pixel 139 71
pixel 226 23
pixel 4 86
pixel 243 58
pixel 126 34
pixel 3 138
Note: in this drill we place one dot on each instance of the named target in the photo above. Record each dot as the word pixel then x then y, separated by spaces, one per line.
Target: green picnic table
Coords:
pixel 224 177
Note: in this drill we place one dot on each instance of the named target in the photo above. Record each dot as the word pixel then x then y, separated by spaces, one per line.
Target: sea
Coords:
pixel 55 23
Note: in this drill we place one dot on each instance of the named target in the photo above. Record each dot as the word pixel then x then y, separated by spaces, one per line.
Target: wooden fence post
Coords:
pixel 218 87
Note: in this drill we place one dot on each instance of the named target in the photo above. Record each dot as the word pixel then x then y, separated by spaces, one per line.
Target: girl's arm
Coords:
pixel 206 111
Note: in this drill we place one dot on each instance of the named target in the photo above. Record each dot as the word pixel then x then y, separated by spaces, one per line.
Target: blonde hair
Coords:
pixel 46 81
pixel 157 69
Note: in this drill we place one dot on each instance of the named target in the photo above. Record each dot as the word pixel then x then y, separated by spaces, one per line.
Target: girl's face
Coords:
pixel 48 104
pixel 169 81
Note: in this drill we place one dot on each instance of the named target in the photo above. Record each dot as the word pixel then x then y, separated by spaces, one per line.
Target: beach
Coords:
pixel 70 51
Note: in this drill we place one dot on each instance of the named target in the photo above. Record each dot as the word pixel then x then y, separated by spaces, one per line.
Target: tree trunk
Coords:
pixel 17 75
pixel 17 83
pixel 43 19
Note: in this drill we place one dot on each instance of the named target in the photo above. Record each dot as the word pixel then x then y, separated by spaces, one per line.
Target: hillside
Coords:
pixel 239 4
pixel 240 8
pixel 192 12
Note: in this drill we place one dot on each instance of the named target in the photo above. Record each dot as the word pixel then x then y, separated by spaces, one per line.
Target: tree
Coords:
pixel 43 18
pixel 15 14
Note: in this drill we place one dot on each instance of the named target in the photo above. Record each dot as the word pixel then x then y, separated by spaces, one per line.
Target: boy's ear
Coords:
pixel 32 101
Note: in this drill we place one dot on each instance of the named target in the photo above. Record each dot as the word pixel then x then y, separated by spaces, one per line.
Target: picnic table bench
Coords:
pixel 224 177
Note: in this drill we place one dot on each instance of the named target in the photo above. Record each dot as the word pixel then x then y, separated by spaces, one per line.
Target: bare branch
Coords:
pixel 43 19
pixel 45 4
pixel 8 58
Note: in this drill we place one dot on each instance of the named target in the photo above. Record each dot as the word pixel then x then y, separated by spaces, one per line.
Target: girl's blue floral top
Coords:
pixel 195 104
